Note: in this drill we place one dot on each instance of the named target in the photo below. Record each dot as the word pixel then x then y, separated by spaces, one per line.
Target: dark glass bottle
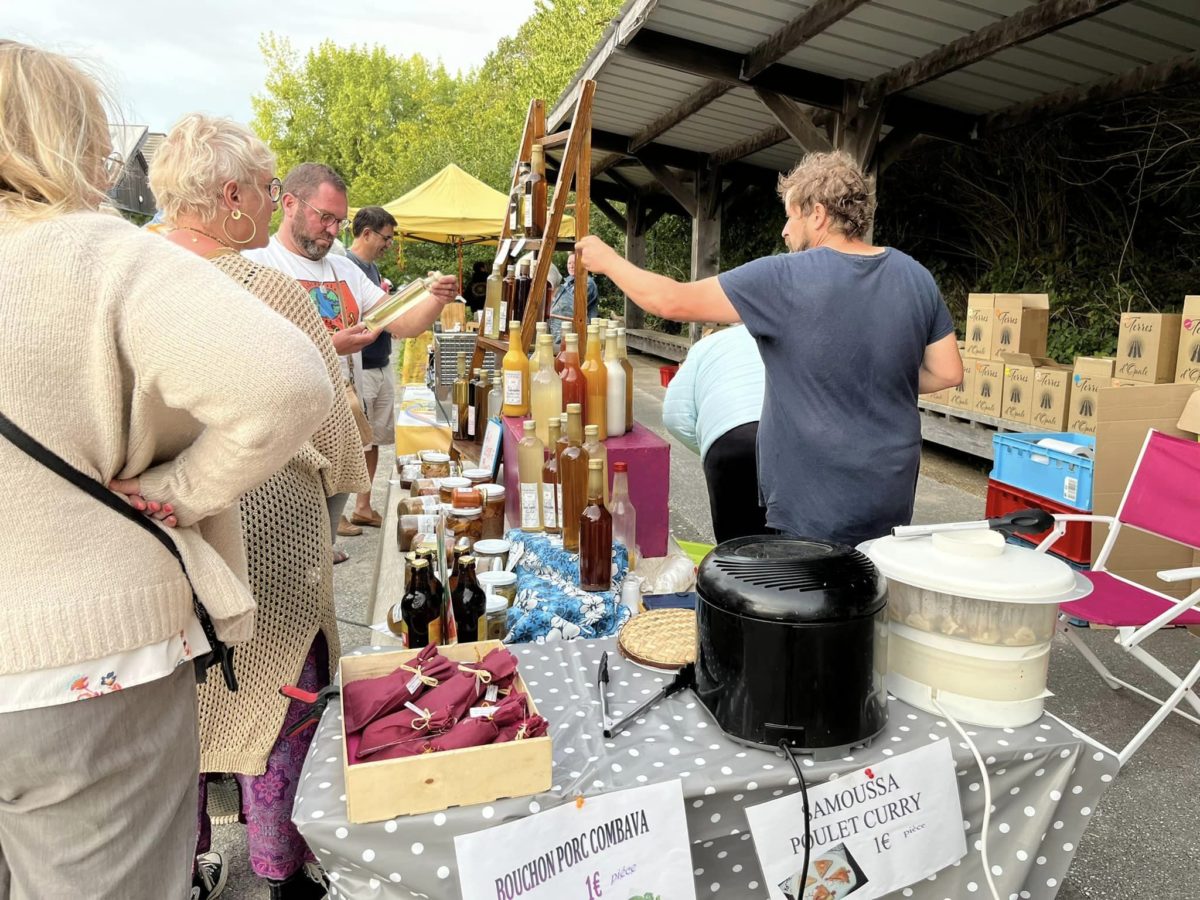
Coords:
pixel 469 603
pixel 521 297
pixel 418 620
pixel 595 534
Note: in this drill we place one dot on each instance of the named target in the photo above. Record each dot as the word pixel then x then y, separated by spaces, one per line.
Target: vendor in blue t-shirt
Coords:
pixel 849 335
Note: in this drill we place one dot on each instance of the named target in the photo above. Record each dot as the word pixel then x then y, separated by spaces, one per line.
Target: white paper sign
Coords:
pixel 628 845
pixel 873 831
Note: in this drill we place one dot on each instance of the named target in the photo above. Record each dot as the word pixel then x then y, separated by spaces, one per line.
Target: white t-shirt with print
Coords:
pixel 340 291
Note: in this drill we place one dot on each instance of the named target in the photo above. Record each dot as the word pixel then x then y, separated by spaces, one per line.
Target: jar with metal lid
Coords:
pixel 447 486
pixel 435 465
pixel 493 510
pixel 502 584
pixel 464 523
pixel 477 476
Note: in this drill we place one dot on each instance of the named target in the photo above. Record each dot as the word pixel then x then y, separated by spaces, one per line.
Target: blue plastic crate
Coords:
pixel 1048 473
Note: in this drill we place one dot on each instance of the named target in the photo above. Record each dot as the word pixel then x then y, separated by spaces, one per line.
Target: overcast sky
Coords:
pixel 169 58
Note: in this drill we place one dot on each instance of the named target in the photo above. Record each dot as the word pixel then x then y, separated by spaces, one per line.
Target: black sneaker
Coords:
pixel 209 881
pixel 307 884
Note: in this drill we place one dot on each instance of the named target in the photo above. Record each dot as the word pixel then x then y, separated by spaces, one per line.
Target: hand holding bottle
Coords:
pixel 444 289
pixel 595 255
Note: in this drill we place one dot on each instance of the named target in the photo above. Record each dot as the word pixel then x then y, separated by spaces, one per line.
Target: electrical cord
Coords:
pixel 987 798
pixel 787 751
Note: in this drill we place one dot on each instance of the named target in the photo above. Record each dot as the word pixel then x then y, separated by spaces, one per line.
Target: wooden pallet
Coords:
pixel 961 430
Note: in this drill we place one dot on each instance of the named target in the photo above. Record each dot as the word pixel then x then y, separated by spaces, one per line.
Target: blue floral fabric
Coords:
pixel 550 604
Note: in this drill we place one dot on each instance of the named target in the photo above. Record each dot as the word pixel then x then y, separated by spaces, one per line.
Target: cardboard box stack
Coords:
pixel 1036 391
pixel 1091 374
pixel 978 343
pixel 1187 362
pixel 1020 324
pixel 1000 325
pixel 1147 347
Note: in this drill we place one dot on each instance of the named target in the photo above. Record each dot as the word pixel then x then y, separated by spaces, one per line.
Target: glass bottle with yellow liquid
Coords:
pixel 595 411
pixel 595 449
pixel 572 471
pixel 530 456
pixel 459 400
pixel 623 355
pixel 516 374
pixel 545 388
pixel 551 488
pixel 595 534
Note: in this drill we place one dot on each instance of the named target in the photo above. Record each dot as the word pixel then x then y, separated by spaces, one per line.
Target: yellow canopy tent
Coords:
pixel 454 207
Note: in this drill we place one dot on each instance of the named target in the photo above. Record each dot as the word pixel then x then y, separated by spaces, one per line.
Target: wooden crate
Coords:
pixel 435 781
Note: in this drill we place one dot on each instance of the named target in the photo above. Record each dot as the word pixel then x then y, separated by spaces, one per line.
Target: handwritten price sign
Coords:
pixel 627 845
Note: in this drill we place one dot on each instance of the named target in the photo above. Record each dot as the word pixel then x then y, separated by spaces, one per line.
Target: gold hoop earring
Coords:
pixel 237 215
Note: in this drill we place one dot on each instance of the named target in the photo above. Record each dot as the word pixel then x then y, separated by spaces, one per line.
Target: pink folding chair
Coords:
pixel 1163 499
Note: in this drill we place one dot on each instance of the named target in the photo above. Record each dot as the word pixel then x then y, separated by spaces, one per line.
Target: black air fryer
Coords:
pixel 792 643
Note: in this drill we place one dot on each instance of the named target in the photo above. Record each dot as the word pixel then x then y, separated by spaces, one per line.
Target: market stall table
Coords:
pixel 1046 780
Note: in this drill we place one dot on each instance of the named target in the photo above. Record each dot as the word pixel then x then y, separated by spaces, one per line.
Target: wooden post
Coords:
pixel 857 132
pixel 635 252
pixel 706 229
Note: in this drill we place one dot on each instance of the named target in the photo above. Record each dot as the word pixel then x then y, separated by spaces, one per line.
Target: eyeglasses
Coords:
pixel 327 218
pixel 274 189
pixel 386 238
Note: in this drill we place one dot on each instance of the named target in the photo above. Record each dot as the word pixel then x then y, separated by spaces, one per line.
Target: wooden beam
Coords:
pixel 554 140
pixel 1184 69
pixel 606 163
pixel 706 230
pixel 609 211
pixel 804 27
pixel 671 118
pixel 635 252
pixel 623 182
pixel 797 122
pixel 892 147
pixel 1031 22
pixel 804 86
pixel 761 140
pixel 671 183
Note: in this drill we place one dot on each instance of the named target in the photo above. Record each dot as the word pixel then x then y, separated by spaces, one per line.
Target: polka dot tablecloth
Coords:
pixel 1046 780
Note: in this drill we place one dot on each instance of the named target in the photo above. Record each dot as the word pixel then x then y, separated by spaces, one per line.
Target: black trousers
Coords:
pixel 731 470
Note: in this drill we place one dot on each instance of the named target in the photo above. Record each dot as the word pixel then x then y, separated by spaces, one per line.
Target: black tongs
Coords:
pixel 684 678
pixel 1023 521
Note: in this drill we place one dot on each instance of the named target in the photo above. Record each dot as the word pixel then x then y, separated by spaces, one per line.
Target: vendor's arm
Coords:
pixel 696 301
pixel 942 366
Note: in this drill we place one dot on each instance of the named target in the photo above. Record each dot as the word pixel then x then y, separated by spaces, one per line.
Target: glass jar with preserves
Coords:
pixel 435 465
pixel 497 617
pixel 426 487
pixel 501 584
pixel 477 476
pixel 409 473
pixel 418 506
pixel 464 523
pixel 493 510
pixel 410 528
pixel 447 486
pixel 491 554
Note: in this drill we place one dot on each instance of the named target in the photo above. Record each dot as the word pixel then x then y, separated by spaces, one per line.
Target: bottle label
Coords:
pixel 529 506
pixel 470 421
pixel 503 324
pixel 426 524
pixel 513 382
pixel 548 508
pixel 428 503
pixel 435 633
pixel 488 315
pixel 558 496
pixel 528 211
pixel 454 417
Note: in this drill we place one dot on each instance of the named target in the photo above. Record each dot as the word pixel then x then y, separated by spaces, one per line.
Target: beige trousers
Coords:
pixel 98 797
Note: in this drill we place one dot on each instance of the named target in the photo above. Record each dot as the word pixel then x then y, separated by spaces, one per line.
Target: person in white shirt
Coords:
pixel 314 213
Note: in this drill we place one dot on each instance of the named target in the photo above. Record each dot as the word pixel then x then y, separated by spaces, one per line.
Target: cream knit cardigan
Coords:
pixel 128 357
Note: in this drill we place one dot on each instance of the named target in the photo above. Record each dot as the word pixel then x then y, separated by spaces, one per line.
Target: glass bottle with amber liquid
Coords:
pixel 483 392
pixel 535 194
pixel 596 384
pixel 417 618
pixel 469 603
pixel 460 400
pixel 562 350
pixel 516 374
pixel 530 458
pixel 574 385
pixel 560 445
pixel 595 449
pixel 595 534
pixel 521 291
pixel 573 473
pixel 551 489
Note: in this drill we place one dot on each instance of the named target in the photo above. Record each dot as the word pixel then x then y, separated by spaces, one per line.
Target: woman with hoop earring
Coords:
pixel 216 185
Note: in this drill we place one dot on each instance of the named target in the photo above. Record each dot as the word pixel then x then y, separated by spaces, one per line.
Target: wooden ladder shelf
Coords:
pixel 574 175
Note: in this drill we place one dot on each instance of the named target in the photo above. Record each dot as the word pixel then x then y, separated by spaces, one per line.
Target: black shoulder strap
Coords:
pixel 221 653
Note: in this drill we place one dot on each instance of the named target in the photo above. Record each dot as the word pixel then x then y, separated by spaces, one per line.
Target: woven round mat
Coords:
pixel 661 638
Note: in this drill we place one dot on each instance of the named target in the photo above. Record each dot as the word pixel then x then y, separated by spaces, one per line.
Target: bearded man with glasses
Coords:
pixel 314 207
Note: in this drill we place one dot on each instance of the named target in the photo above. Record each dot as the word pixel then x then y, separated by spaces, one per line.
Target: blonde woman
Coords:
pixel 129 359
pixel 216 185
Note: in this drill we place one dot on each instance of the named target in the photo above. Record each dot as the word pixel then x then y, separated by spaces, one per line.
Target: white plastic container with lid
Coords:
pixel 502 584
pixel 971 620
